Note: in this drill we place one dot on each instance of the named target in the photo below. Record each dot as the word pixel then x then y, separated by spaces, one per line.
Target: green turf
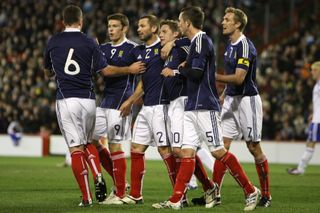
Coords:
pixel 38 185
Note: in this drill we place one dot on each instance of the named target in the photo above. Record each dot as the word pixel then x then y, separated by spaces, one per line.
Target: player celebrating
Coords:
pixel 72 57
pixel 201 117
pixel 242 108
pixel 150 124
pixel 176 87
pixel 314 128
pixel 108 120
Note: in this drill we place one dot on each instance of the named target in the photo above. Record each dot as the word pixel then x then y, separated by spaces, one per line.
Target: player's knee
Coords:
pixel 164 150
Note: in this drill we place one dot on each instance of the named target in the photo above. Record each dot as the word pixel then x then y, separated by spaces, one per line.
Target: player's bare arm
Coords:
pixel 126 106
pixel 135 68
pixel 236 78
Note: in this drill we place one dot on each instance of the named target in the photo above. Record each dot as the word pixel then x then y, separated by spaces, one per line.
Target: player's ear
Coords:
pixel 125 29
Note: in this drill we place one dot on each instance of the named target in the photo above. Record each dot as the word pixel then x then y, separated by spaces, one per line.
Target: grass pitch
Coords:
pixel 38 185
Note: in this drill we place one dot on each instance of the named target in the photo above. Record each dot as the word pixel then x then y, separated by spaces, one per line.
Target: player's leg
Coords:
pixel 250 110
pixel 313 137
pixel 92 156
pixel 229 125
pixel 212 133
pixel 119 131
pixel 141 139
pixel 75 143
pixel 99 135
pixel 187 165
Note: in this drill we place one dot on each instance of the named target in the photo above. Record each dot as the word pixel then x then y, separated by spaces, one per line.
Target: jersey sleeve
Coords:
pixel 47 57
pixel 178 55
pixel 200 54
pixel 99 60
pixel 182 42
pixel 243 55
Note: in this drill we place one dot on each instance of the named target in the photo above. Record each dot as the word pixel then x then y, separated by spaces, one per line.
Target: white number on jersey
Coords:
pixel 70 62
pixel 147 54
pixel 113 51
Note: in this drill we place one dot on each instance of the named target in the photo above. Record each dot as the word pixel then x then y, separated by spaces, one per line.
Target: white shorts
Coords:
pixel 314 132
pixel 111 125
pixel 175 121
pixel 150 126
pixel 242 115
pixel 76 118
pixel 202 125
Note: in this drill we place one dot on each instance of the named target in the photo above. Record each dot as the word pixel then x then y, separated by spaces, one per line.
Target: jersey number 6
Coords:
pixel 70 62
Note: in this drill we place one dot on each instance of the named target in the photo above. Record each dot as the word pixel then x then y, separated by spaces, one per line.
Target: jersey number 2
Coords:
pixel 70 62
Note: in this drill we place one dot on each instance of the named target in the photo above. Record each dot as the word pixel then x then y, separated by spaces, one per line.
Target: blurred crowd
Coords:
pixel 27 97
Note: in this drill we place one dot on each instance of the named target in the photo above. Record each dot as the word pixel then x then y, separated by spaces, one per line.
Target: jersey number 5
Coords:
pixel 70 62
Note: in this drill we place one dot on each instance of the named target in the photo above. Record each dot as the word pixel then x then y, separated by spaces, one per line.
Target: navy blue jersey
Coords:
pixel 153 82
pixel 176 86
pixel 202 94
pixel 241 54
pixel 120 88
pixel 73 56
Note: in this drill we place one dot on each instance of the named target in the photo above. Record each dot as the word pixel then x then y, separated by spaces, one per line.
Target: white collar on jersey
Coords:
pixel 197 34
pixel 117 45
pixel 239 39
pixel 154 43
pixel 71 29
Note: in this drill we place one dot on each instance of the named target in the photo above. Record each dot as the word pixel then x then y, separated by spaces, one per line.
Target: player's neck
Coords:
pixel 119 41
pixel 235 36
pixel 192 32
pixel 153 39
pixel 76 26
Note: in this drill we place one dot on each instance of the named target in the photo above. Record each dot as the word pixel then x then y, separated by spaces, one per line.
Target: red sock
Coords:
pixel 178 163
pixel 263 172
pixel 92 158
pixel 170 162
pixel 105 159
pixel 219 170
pixel 137 173
pixel 237 172
pixel 186 170
pixel 201 175
pixel 80 172
pixel 119 172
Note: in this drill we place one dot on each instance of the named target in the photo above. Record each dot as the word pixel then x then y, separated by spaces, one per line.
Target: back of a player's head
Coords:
pixel 120 17
pixel 152 20
pixel 173 25
pixel 71 15
pixel 194 14
pixel 239 16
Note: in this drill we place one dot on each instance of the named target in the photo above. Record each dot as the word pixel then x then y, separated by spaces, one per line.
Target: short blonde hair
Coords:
pixel 239 16
pixel 316 65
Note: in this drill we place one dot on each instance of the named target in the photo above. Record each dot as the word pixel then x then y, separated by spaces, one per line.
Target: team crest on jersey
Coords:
pixel 156 51
pixel 120 53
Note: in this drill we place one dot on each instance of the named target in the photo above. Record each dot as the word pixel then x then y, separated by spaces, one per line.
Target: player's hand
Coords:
pixel 183 64
pixel 125 108
pixel 166 49
pixel 167 72
pixel 137 67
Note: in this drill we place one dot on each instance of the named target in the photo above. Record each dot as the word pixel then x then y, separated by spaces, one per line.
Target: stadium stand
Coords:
pixel 26 96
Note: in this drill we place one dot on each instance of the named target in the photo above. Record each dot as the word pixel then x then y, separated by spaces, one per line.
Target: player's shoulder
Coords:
pixel 131 43
pixel 106 45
